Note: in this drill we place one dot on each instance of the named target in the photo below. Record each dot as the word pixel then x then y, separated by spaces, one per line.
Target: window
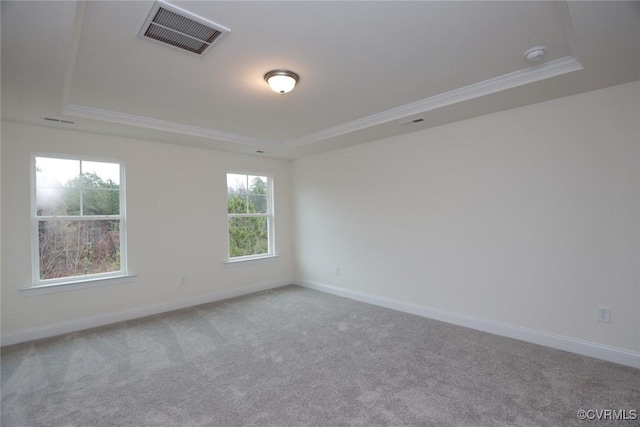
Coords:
pixel 250 214
pixel 78 220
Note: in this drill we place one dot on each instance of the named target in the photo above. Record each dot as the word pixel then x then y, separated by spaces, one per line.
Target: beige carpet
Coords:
pixel 296 357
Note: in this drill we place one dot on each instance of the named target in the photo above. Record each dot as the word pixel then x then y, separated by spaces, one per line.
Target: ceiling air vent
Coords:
pixel 171 25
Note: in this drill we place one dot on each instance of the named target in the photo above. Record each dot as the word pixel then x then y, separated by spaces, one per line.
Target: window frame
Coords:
pixel 270 215
pixel 36 281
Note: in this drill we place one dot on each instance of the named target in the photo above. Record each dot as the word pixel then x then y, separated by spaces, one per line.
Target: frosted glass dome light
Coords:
pixel 282 81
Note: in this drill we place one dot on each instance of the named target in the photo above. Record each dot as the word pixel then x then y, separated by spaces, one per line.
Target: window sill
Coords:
pixel 249 261
pixel 77 285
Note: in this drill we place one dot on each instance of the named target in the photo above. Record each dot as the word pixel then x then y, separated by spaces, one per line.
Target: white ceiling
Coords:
pixel 365 67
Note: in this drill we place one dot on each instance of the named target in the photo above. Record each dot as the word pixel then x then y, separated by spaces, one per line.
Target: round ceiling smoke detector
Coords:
pixel 535 54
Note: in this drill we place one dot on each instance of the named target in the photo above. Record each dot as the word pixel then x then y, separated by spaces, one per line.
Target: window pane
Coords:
pixel 236 184
pixel 107 173
pixel 101 201
pixel 57 172
pixel 248 236
pixel 257 184
pixel 77 248
pixel 237 203
pixel 101 195
pixel 257 203
pixel 51 201
pixel 60 182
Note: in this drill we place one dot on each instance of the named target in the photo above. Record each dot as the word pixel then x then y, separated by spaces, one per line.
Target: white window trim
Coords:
pixel 78 285
pixel 270 215
pixel 234 262
pixel 36 282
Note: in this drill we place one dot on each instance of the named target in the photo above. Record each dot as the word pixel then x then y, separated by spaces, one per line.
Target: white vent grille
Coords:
pixel 176 27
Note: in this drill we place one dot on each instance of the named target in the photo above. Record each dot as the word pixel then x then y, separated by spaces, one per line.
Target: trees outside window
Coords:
pixel 250 215
pixel 78 219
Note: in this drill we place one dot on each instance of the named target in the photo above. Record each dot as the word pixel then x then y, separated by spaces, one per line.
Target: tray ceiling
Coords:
pixel 367 69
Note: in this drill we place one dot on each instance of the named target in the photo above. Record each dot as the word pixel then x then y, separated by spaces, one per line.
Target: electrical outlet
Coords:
pixel 183 281
pixel 603 314
pixel 336 270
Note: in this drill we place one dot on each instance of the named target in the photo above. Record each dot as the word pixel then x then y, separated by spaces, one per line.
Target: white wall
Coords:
pixel 176 216
pixel 528 217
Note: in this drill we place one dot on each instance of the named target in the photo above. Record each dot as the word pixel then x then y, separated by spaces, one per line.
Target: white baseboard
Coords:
pixel 573 345
pixel 106 319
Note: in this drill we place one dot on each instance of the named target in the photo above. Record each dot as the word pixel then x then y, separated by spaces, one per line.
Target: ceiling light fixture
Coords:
pixel 282 81
pixel 535 54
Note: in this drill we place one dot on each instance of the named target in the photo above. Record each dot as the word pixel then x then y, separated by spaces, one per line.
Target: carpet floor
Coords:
pixel 296 357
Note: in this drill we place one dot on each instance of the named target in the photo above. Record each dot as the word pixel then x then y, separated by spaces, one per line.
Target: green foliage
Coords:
pixel 99 197
pixel 248 236
pixel 258 195
pixel 238 204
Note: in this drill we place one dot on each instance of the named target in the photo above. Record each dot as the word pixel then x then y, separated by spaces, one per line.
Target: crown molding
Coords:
pixel 515 79
pixel 533 74
pixel 162 125
pixel 569 29
pixel 78 23
pixel 84 111
pixel 523 77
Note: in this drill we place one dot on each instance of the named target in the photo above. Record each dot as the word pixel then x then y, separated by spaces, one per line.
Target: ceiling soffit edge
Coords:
pixel 507 81
pixel 500 83
pixel 162 125
pixel 523 77
pixel 78 22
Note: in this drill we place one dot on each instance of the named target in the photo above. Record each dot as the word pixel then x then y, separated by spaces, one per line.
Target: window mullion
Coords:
pixel 249 215
pixel 81 185
pixel 79 218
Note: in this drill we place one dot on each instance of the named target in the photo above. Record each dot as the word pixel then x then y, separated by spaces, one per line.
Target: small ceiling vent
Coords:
pixel 176 27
